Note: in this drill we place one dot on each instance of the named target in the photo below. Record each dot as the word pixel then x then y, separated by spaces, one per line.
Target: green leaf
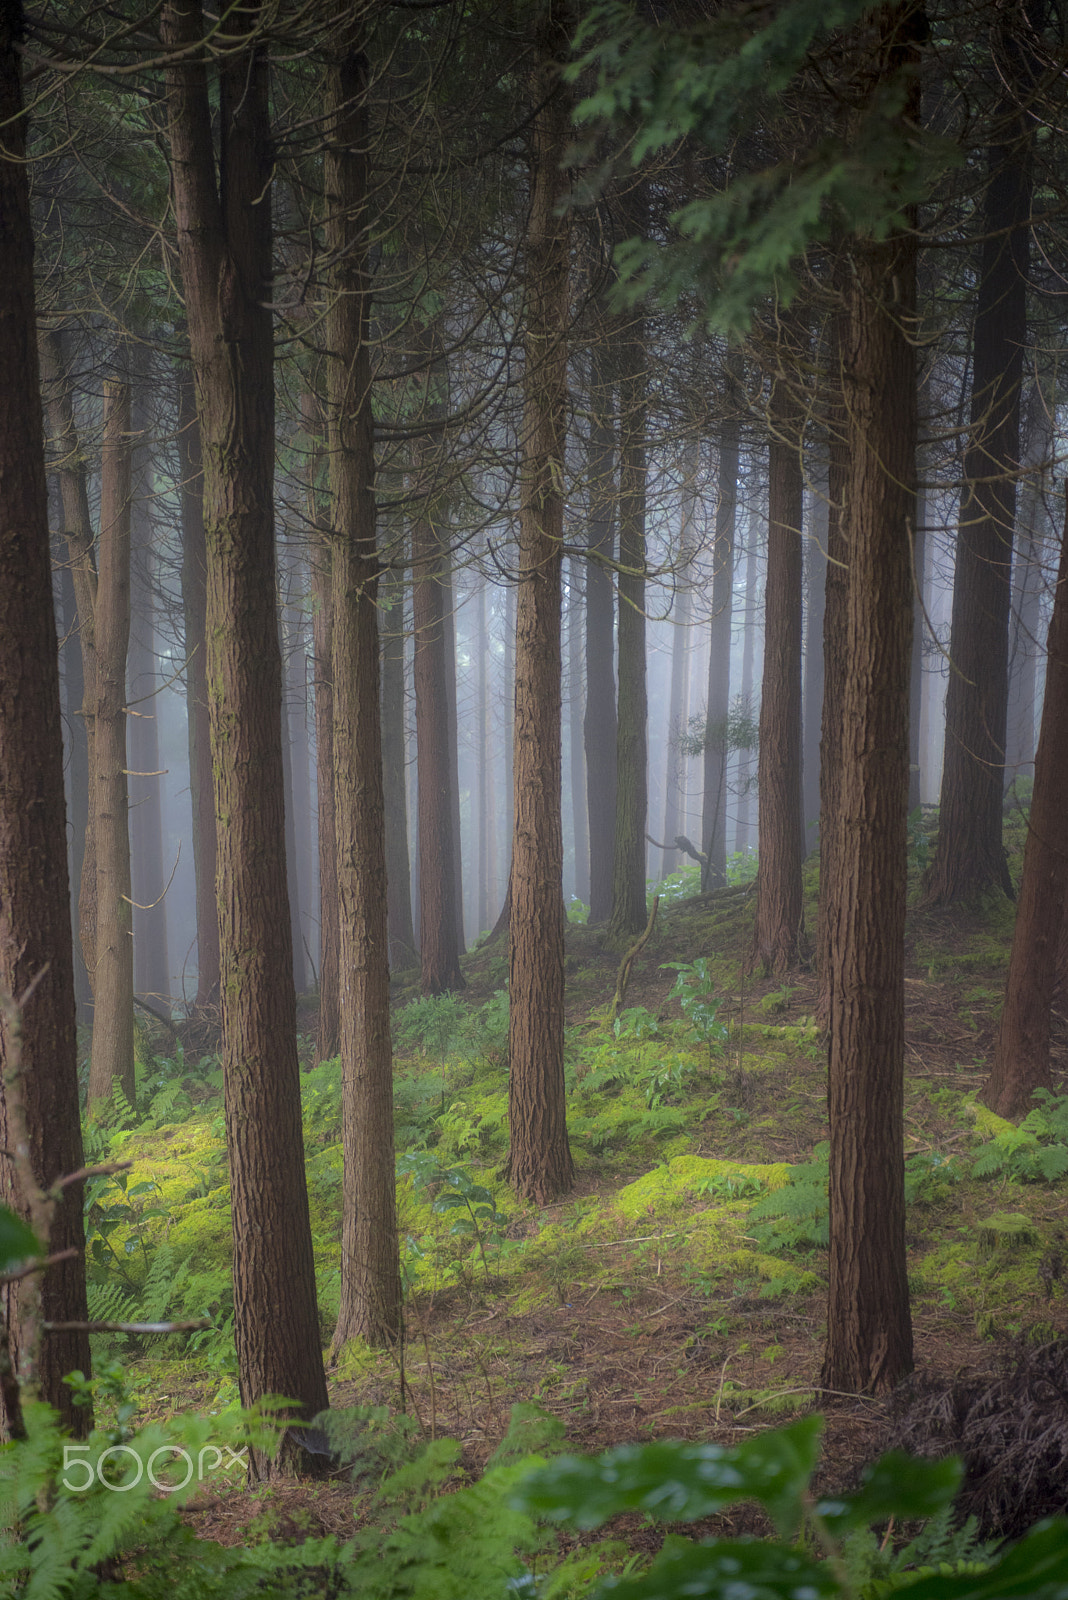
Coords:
pixel 679 1482
pixel 1036 1568
pixel 18 1242
pixel 761 1570
pixel 899 1486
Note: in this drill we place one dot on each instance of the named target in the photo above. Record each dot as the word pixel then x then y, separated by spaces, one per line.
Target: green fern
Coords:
pixel 795 1217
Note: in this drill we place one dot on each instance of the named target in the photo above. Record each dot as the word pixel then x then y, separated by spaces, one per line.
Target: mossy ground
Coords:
pixel 642 1303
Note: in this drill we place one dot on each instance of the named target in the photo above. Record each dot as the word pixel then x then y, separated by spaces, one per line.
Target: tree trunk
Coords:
pixel 778 899
pixel 224 245
pixel 580 823
pixel 681 644
pixel 76 757
pixel 745 761
pixel 370 1257
pixel 295 758
pixel 78 530
pixel 431 604
pixel 113 1029
pixel 836 663
pixel 39 1069
pixel 194 606
pixel 970 857
pixel 402 946
pixel 717 708
pixel 1027 588
pixel 454 752
pixel 147 871
pixel 599 723
pixel 629 914
pixel 1021 1057
pixel 487 815
pixel 869 1330
pixel 815 599
pixel 539 1164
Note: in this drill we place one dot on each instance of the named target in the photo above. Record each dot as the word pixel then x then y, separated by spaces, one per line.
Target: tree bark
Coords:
pixel 599 722
pixel 370 1257
pixel 777 924
pixel 35 930
pixel 76 757
pixel 1021 1056
pixel 1027 588
pixel 580 823
pixel 78 531
pixel 745 761
pixel 402 946
pixel 628 915
pixel 717 705
pixel 681 644
pixel 539 1164
pixel 113 1029
pixel 224 245
pixel 812 688
pixel 969 856
pixel 869 1329
pixel 147 871
pixel 194 607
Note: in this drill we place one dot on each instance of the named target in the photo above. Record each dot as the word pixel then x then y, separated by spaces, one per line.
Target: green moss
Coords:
pixel 667 1188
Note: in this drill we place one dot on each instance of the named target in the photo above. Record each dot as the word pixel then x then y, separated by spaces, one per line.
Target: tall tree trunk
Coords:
pixel 487 815
pixel 717 705
pixel 745 795
pixel 370 1255
pixel 113 1029
pixel 539 1164
pixel 681 645
pixel 454 752
pixel 580 821
pixel 77 759
pixel 599 724
pixel 431 605
pixel 295 758
pixel 1027 588
pixel 836 663
pixel 778 899
pixel 1021 1057
pixel 147 871
pixel 194 607
pixel 969 856
pixel 78 530
pixel 39 1069
pixel 402 946
pixel 628 914
pixel 869 1329
pixel 815 598
pixel 328 1036
pixel 224 249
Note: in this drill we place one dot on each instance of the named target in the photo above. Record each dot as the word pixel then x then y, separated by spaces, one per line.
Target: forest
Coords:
pixel 533 773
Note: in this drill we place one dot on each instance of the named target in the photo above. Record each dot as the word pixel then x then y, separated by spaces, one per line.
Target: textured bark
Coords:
pixel 777 922
pixel 35 931
pixel 224 245
pixel 580 822
pixel 439 949
pixel 599 722
pixel 194 607
pixel 454 753
pixel 970 857
pixel 869 1329
pixel 1027 588
pixel 681 644
pixel 815 597
pixel 148 873
pixel 76 758
pixel 745 760
pixel 717 704
pixel 370 1259
pixel 69 467
pixel 835 667
pixel 402 946
pixel 295 758
pixel 113 1029
pixel 487 816
pixel 629 915
pixel 1021 1057
pixel 539 1164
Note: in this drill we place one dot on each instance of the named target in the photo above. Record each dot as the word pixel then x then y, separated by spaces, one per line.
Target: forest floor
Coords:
pixel 679 1290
